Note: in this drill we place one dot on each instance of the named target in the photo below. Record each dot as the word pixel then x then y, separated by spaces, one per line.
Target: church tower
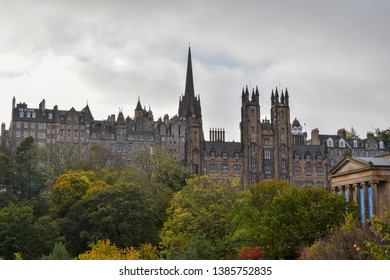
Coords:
pixel 251 136
pixel 280 120
pixel 190 111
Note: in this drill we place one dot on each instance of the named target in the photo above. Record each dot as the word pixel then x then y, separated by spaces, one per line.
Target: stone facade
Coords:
pixel 269 148
pixel 366 181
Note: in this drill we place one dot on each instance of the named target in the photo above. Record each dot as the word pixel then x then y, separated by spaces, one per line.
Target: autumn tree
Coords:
pixel 298 217
pixel 105 250
pixel 161 167
pixel 342 243
pixel 204 220
pixel 69 188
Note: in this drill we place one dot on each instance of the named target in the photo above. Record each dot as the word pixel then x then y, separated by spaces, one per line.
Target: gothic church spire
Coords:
pixel 189 89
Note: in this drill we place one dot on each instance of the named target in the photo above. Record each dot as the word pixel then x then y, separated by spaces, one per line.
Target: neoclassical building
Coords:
pixel 268 149
pixel 366 181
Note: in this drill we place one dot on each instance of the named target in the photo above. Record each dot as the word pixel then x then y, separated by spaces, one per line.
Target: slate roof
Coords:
pixel 219 147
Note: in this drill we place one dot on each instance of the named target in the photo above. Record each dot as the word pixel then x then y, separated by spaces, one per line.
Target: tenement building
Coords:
pixel 268 149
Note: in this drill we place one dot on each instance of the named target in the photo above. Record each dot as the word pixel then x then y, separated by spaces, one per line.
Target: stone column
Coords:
pixel 374 186
pixel 347 192
pixel 365 201
pixel 356 193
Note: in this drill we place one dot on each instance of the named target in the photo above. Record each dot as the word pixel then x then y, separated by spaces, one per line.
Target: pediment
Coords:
pixel 348 165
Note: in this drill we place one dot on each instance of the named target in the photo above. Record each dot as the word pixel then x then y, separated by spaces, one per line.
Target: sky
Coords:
pixel 333 56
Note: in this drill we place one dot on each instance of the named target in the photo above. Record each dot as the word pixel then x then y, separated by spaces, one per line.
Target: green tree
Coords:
pixel 204 220
pixel 123 214
pixel 160 167
pixel 297 217
pixel 45 233
pixel 30 178
pixel 385 135
pixel 7 168
pixel 59 252
pixel 352 134
pixel 15 229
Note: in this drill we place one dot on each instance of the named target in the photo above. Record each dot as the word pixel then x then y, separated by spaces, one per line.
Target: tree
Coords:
pixel 204 220
pixel 160 167
pixel 68 189
pixel 59 253
pixel 29 178
pixel 340 244
pixel 105 250
pixel 15 229
pixel 379 248
pixel 385 134
pixel 99 157
pixel 298 217
pixel 123 214
pixel 352 134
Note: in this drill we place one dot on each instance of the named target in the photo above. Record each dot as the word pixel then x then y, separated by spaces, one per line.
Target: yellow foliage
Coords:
pixel 105 250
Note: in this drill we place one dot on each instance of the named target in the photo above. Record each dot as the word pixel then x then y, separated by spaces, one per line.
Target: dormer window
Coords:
pixel 212 154
pixel 50 116
pixel 381 145
pixel 342 143
pixel 329 142
pixel 308 157
pixel 21 114
pixel 355 143
pixel 224 155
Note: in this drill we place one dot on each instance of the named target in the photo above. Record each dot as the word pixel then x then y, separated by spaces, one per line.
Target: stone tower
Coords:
pixel 251 136
pixel 281 126
pixel 190 111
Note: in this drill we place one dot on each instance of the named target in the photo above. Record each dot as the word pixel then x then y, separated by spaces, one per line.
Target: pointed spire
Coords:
pixel 286 96
pixel 282 98
pixel 253 94
pixel 276 95
pixel 189 89
pixel 139 107
pixel 247 91
pixel 257 91
pixel 272 97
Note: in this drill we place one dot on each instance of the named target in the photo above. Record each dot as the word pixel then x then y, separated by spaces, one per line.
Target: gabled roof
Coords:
pixel 219 147
pixel 354 164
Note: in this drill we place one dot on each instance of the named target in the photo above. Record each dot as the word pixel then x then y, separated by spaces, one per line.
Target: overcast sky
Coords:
pixel 333 56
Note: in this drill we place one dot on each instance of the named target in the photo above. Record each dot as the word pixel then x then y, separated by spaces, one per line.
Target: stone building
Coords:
pixel 269 148
pixel 366 181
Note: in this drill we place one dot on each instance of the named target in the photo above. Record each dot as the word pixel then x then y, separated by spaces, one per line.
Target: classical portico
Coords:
pixel 365 181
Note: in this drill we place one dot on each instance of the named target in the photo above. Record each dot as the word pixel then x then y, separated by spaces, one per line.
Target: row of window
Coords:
pixel 224 155
pixel 307 157
pixel 309 170
pixel 72 133
pixel 355 144
pixel 224 168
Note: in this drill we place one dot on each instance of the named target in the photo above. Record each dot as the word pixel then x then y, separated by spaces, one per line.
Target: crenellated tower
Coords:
pixel 190 111
pixel 251 136
pixel 281 126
